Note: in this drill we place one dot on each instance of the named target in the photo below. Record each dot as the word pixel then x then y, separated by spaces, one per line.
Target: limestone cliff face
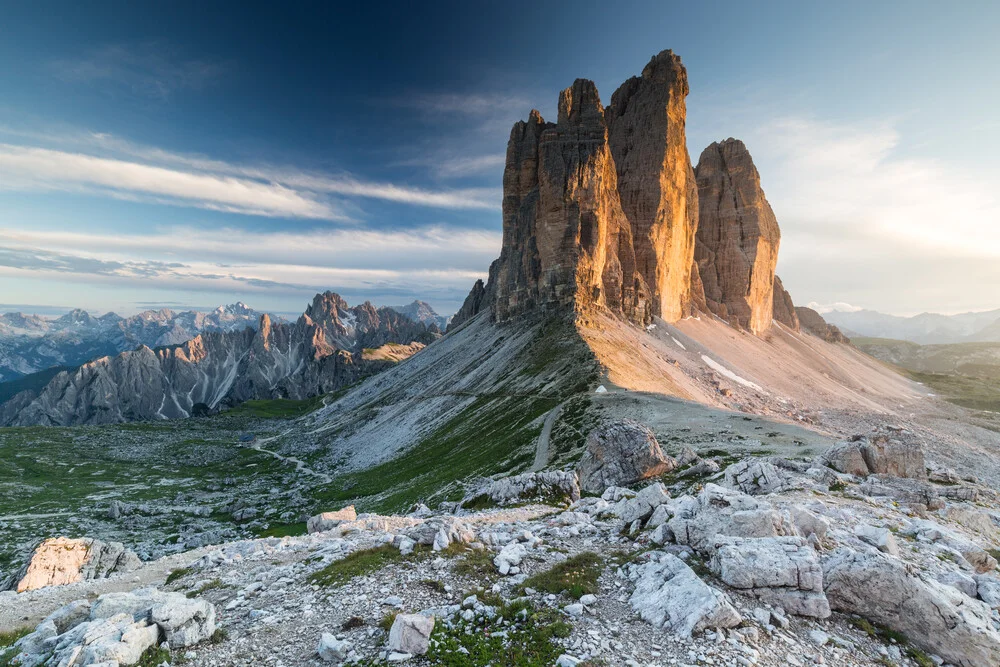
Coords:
pixel 738 237
pixel 784 309
pixel 646 122
pixel 600 208
pixel 566 241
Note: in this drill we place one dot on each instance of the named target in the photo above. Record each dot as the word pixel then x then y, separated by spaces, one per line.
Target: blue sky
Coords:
pixel 187 156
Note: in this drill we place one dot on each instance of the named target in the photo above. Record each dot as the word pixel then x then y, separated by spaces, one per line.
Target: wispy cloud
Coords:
pixel 468 104
pixel 430 260
pixel 106 165
pixel 151 69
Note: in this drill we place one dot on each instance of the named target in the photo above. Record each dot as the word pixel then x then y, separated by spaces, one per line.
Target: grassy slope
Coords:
pixel 495 433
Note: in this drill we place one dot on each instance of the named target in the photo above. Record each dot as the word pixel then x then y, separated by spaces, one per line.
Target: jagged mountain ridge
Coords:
pixel 322 351
pixel 29 343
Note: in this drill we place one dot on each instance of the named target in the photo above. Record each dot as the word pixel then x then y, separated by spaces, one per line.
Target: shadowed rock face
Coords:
pixel 600 207
pixel 566 240
pixel 738 237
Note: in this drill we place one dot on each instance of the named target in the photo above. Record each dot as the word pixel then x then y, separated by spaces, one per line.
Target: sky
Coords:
pixel 186 155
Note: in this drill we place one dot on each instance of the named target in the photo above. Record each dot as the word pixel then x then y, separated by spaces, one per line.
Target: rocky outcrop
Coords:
pixel 321 352
pixel 62 560
pixel 814 323
pixel 878 455
pixel 473 304
pixel 669 595
pixel 738 237
pixel 116 629
pixel 621 453
pixel 934 616
pixel 784 309
pixel 646 132
pixel 550 486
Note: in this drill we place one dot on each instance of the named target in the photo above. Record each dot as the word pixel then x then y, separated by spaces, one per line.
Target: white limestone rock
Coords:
pixel 934 616
pixel 779 570
pixel 669 595
pixel 411 633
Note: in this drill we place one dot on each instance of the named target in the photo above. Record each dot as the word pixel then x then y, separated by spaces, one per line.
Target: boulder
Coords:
pixel 62 560
pixel 411 633
pixel 531 486
pixel 780 570
pixel 117 629
pixel 755 477
pixel 880 538
pixel 621 452
pixel 439 532
pixel 330 520
pixel 721 511
pixel 878 456
pixel 669 595
pixel 331 649
pixel 932 615
pixel 641 507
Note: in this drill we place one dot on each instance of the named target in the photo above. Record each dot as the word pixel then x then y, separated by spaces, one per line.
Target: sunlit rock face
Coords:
pixel 646 121
pixel 600 208
pixel 738 237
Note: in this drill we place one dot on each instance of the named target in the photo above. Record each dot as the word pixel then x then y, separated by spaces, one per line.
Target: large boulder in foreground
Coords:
pixel 116 629
pixel 669 595
pixel 621 453
pixel 932 615
pixel 63 560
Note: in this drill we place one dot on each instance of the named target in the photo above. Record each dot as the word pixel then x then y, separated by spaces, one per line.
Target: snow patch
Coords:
pixel 678 343
pixel 719 368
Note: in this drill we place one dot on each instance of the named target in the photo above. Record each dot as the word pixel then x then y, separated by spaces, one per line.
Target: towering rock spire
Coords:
pixel 646 123
pixel 566 240
pixel 738 237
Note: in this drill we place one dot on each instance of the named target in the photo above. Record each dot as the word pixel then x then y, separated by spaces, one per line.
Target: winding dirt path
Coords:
pixel 542 447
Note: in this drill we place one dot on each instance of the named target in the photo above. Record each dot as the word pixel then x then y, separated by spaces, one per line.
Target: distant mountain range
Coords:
pixel 29 343
pixel 421 311
pixel 926 328
pixel 331 345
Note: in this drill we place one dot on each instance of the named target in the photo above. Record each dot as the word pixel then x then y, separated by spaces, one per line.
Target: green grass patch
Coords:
pixel 877 631
pixel 387 620
pixel 476 564
pixel 204 588
pixel 476 442
pixel 8 638
pixel 576 576
pixel 356 564
pixel 278 408
pixel 529 641
pixel 284 530
pixel 177 574
pixel 153 656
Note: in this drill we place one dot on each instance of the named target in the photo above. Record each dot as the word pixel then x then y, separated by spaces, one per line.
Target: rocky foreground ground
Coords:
pixel 868 555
